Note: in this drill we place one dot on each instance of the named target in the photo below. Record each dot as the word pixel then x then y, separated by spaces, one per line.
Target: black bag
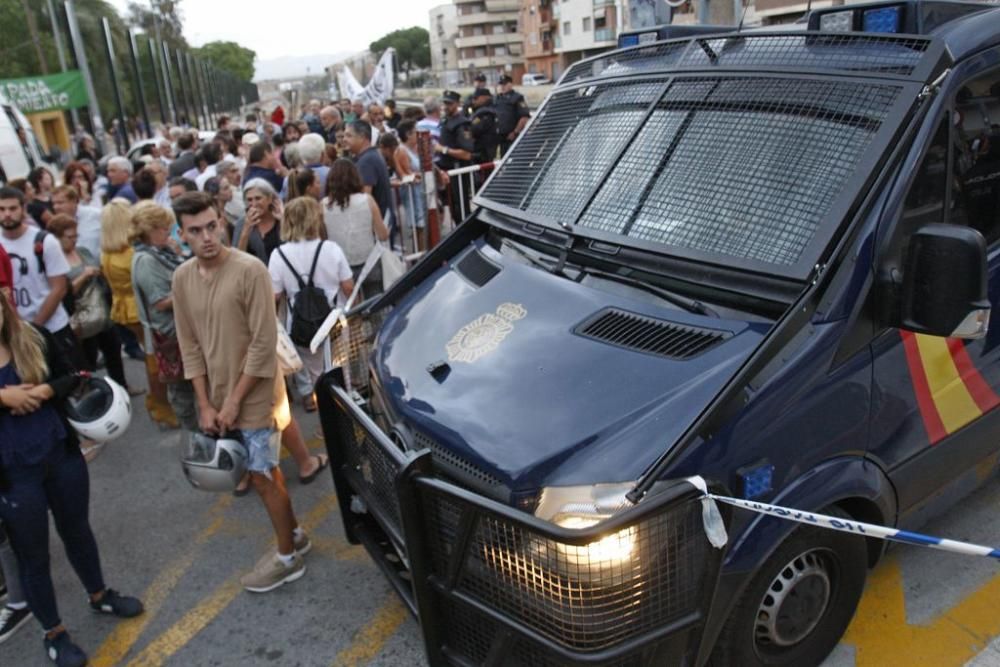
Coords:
pixel 311 305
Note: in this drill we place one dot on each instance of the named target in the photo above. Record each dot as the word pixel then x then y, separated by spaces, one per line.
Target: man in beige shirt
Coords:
pixel 226 326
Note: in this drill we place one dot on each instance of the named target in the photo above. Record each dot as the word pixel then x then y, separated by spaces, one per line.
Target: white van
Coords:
pixel 531 79
pixel 17 158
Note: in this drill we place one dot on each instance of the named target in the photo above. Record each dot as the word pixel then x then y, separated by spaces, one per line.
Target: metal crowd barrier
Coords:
pixel 470 179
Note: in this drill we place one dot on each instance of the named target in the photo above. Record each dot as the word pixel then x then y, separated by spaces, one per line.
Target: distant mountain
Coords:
pixel 292 66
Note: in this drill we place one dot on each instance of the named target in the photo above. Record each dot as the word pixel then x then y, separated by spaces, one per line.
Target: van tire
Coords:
pixel 827 571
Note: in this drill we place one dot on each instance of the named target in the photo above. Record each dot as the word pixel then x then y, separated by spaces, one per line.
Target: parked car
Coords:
pixel 765 258
pixel 530 79
pixel 143 147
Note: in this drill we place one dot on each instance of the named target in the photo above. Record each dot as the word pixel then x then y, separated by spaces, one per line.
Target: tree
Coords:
pixel 229 56
pixel 412 45
pixel 162 20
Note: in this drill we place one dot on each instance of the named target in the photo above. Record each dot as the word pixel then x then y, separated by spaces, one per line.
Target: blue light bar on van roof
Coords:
pixel 628 40
pixel 883 19
pixel 886 19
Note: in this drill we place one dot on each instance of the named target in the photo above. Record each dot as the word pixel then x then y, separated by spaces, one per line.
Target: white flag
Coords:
pixel 379 89
pixel 349 86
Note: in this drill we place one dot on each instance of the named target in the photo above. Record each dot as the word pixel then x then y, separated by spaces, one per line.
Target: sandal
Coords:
pixel 324 461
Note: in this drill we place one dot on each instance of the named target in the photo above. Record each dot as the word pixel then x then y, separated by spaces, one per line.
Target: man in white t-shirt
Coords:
pixel 40 270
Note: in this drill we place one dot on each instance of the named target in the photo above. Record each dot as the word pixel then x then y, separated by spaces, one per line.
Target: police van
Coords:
pixel 767 258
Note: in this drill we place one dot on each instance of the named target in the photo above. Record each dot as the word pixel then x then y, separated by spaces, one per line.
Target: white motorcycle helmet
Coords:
pixel 99 409
pixel 214 463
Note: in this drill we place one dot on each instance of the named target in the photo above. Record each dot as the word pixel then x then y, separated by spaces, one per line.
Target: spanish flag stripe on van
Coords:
pixel 982 393
pixel 932 422
pixel 950 391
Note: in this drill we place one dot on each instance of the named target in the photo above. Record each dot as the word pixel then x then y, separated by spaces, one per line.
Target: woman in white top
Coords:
pixel 300 234
pixel 353 221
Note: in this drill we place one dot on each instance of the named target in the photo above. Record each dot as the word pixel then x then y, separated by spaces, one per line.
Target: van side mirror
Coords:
pixel 944 283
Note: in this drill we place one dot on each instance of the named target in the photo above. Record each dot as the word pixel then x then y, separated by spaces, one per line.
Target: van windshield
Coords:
pixel 741 168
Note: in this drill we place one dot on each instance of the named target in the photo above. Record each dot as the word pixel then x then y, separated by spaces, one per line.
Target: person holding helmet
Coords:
pixel 227 329
pixel 42 470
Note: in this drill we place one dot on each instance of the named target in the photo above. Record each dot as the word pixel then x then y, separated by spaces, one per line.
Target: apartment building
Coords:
pixel 586 27
pixel 489 39
pixel 444 53
pixel 538 28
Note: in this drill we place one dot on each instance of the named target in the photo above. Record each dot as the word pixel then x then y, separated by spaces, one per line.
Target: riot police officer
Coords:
pixel 485 129
pixel 512 113
pixel 455 147
pixel 468 106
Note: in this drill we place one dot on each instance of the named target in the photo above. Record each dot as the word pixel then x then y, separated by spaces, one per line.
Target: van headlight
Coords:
pixel 581 507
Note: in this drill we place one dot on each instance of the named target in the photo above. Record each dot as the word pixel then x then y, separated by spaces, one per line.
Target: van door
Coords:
pixel 934 398
pixel 15 158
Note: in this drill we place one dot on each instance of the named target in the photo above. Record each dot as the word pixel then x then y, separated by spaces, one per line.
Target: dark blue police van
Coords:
pixel 767 258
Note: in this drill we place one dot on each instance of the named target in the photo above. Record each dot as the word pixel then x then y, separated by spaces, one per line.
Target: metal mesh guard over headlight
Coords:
pixel 586 594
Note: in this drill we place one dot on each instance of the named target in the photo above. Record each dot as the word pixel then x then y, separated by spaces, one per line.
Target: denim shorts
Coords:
pixel 263 446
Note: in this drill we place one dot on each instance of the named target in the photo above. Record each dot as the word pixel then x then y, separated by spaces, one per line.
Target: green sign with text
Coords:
pixel 32 94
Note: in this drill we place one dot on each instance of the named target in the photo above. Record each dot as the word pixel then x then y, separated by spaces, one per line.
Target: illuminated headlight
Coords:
pixel 837 22
pixel 581 507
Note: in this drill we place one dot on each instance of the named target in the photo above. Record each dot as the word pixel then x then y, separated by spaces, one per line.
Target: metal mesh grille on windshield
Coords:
pixel 741 167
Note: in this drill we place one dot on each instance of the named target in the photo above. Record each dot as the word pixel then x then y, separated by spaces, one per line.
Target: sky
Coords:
pixel 297 27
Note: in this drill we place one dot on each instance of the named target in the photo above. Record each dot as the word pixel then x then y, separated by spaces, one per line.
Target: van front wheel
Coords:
pixel 799 603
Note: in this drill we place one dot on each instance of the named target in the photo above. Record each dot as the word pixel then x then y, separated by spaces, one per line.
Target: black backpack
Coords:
pixel 311 305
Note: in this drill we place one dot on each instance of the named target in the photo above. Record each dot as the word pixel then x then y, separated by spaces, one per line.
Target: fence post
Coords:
pixel 168 82
pixel 164 118
pixel 140 89
pixel 97 124
pixel 61 54
pixel 192 121
pixel 109 51
pixel 425 151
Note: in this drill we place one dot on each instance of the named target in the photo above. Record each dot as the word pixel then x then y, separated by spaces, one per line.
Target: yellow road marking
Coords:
pixel 372 638
pixel 183 631
pixel 126 633
pixel 193 622
pixel 881 636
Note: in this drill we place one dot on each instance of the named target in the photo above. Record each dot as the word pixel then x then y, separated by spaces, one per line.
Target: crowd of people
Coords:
pixel 192 260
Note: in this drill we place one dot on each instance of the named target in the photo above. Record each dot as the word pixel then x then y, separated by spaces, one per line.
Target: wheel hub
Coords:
pixel 794 603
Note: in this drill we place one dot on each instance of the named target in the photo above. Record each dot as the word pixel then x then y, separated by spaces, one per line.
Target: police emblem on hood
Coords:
pixel 484 334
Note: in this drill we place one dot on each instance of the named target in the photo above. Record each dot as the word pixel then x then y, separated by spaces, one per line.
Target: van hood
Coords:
pixel 500 375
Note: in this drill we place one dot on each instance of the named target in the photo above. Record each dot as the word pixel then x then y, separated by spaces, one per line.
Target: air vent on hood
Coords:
pixel 477 269
pixel 645 334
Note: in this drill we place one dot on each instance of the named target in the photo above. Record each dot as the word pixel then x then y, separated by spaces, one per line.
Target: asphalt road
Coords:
pixel 183 551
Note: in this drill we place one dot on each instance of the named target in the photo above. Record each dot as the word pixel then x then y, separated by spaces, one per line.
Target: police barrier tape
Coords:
pixel 713 522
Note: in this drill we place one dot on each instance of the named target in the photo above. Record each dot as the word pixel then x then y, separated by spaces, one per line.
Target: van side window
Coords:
pixel 926 201
pixel 976 156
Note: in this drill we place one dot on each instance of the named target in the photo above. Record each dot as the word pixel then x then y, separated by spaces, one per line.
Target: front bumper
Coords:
pixel 492 585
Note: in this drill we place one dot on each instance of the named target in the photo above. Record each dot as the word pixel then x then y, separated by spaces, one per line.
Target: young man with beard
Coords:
pixel 225 318
pixel 40 269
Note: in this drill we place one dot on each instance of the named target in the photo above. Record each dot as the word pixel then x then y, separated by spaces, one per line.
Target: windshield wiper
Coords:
pixel 690 305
